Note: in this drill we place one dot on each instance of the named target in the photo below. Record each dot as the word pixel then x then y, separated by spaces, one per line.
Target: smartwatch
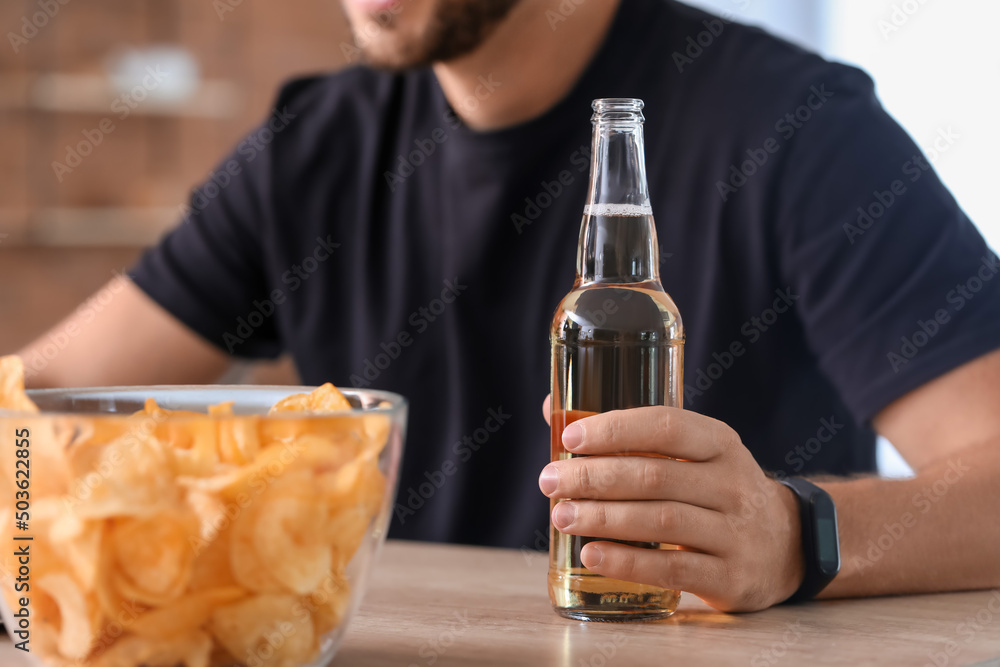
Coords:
pixel 820 538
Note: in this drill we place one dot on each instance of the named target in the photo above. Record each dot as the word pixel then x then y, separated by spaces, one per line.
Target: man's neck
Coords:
pixel 529 63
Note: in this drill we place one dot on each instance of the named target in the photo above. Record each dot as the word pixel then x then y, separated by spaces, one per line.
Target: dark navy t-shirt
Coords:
pixel 821 268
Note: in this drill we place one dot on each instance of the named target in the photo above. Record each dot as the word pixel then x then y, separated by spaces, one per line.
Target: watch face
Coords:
pixel 826 537
pixel 826 547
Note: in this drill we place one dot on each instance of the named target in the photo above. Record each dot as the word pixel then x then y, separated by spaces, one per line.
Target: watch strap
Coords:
pixel 820 537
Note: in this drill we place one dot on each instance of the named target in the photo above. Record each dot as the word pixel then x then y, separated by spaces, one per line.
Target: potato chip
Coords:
pixel 79 615
pixel 46 623
pixel 306 452
pixel 191 441
pixel 192 445
pixel 210 510
pixel 83 432
pixel 344 431
pixel 347 528
pixel 329 603
pixel 283 431
pixel 354 495
pixel 152 409
pixel 153 557
pixel 111 601
pixel 288 544
pixel 376 430
pixel 220 657
pixel 211 566
pixel 239 441
pixel 192 650
pixel 184 615
pixel 130 476
pixel 222 409
pixel 293 403
pixel 79 549
pixel 266 630
pixel 358 483
pixel 340 486
pixel 231 484
pixel 325 398
pixel 317 454
pixel 12 394
pixel 86 443
pixel 247 567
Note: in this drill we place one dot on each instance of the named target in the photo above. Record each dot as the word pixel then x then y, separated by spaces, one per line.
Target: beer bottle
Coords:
pixel 617 343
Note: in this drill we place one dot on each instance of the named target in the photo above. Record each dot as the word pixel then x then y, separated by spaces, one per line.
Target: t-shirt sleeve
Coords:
pixel 895 284
pixel 209 270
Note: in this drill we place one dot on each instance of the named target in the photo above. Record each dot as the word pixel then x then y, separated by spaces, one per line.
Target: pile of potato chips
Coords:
pixel 171 538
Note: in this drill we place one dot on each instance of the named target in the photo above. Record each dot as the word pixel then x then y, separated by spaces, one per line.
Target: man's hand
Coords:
pixel 738 529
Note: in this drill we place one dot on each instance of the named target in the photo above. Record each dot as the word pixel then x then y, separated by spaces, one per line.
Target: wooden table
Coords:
pixel 440 606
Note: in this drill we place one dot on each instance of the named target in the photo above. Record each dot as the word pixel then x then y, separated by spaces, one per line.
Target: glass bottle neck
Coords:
pixel 618 238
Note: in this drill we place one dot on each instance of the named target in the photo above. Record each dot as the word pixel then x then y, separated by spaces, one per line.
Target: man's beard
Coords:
pixel 456 28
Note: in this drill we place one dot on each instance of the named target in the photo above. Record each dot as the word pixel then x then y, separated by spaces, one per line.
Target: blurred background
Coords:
pixel 111 110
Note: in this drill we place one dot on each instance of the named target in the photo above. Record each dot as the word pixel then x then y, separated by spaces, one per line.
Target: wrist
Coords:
pixel 793 561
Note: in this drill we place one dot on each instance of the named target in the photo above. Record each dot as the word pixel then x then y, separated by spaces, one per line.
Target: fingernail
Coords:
pixel 548 481
pixel 563 515
pixel 592 556
pixel 572 436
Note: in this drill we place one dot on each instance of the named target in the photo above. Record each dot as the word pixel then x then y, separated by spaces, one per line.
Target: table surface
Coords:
pixel 435 605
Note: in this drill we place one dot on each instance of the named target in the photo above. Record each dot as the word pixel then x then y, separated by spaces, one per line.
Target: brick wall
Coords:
pixel 149 161
pixel 132 185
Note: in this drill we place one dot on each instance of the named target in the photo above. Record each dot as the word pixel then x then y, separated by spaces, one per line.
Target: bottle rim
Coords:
pixel 618 110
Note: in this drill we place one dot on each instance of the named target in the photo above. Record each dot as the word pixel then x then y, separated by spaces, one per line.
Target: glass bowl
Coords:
pixel 164 538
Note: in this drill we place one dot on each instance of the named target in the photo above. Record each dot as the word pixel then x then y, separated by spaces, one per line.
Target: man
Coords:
pixel 413 228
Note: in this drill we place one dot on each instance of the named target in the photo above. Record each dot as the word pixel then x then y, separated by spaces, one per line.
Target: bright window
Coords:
pixel 936 64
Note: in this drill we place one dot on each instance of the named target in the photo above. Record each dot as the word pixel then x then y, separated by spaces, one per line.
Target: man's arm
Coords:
pixel 739 528
pixel 940 530
pixel 131 340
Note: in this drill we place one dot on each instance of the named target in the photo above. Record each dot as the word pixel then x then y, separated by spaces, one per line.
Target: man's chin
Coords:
pixel 453 29
pixel 393 59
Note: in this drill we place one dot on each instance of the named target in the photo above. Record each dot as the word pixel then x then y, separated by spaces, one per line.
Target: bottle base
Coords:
pixel 606 616
pixel 584 596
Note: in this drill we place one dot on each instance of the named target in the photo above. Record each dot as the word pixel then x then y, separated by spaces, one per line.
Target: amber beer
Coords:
pixel 617 342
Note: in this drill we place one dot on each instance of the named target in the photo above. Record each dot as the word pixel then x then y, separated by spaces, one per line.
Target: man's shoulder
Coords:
pixel 732 62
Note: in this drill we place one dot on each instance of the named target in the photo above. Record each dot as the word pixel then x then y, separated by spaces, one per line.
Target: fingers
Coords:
pixel 657 430
pixel 547 409
pixel 701 574
pixel 634 478
pixel 644 521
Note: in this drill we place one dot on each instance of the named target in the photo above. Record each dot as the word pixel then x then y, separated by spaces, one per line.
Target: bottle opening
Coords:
pixel 618 110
